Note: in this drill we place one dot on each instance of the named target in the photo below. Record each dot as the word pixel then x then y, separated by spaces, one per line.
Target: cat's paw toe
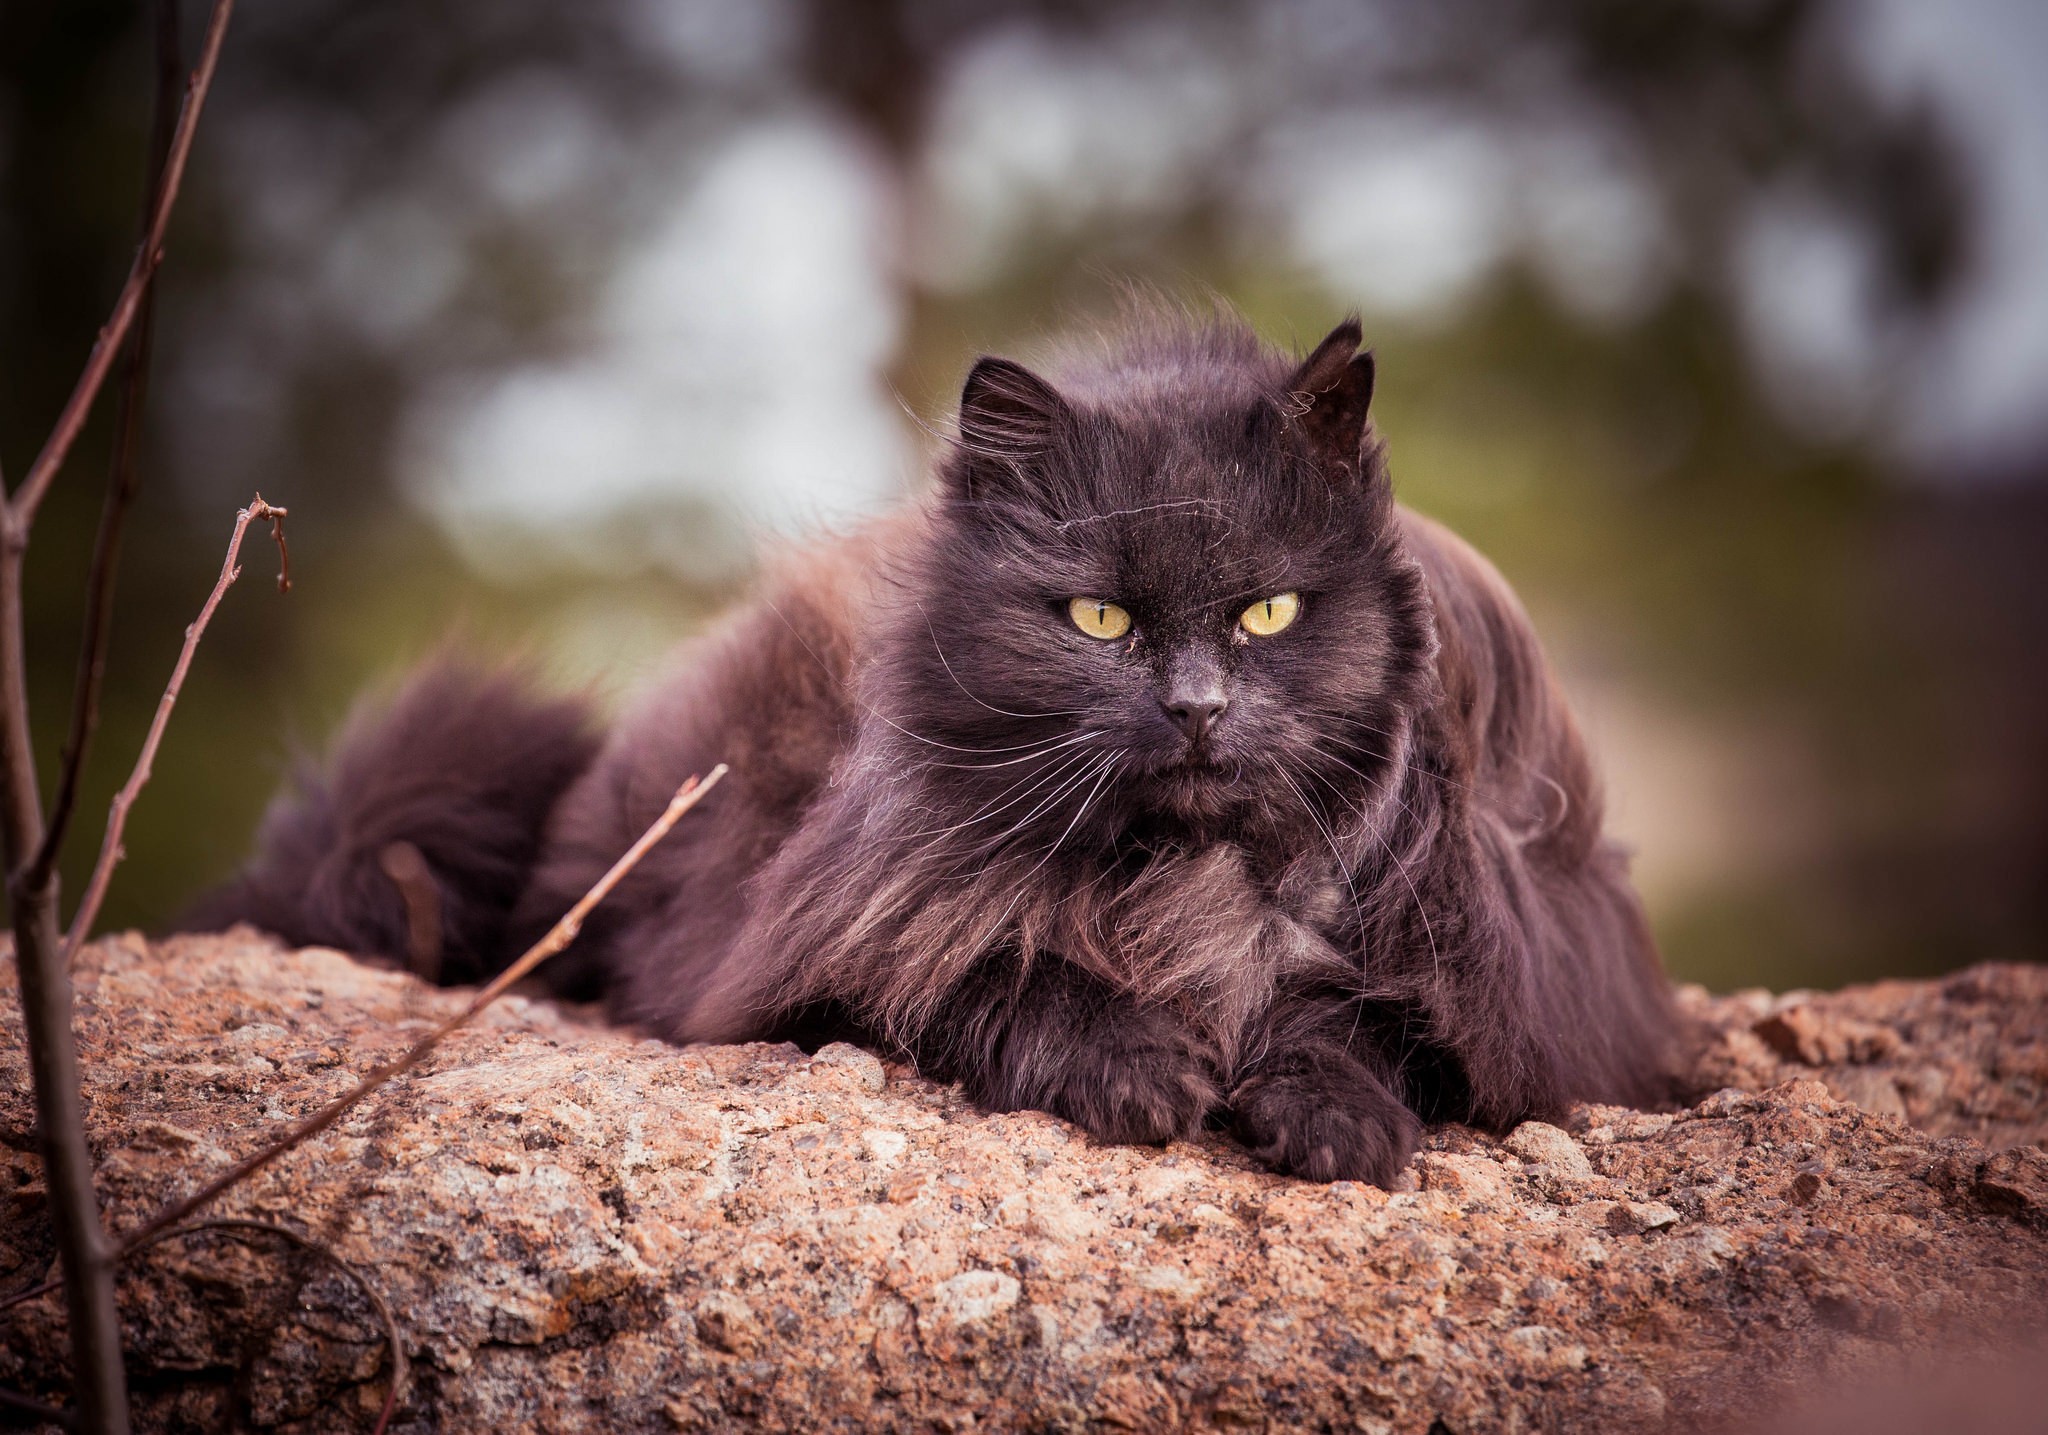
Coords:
pixel 1150 1108
pixel 1325 1130
pixel 1148 1091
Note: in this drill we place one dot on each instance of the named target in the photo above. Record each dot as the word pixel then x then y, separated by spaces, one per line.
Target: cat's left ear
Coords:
pixel 1330 399
pixel 1009 418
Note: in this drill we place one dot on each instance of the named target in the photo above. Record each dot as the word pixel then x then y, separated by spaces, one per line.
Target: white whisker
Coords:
pixel 870 708
pixel 1087 770
pixel 1435 956
pixel 1216 509
pixel 1079 813
pixel 1009 797
pixel 1040 749
pixel 947 664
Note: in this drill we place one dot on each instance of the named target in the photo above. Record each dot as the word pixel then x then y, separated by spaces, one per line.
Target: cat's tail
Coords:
pixel 417 835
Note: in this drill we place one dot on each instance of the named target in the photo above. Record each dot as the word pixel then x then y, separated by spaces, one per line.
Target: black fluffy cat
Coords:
pixel 1157 769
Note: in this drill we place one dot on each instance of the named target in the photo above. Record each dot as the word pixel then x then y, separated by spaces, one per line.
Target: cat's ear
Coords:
pixel 1008 419
pixel 1330 403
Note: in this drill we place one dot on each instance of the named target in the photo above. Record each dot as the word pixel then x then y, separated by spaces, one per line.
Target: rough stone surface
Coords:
pixel 582 1230
pixel 1963 1056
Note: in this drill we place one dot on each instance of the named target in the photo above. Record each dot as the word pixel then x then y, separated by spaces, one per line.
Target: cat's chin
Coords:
pixel 1196 789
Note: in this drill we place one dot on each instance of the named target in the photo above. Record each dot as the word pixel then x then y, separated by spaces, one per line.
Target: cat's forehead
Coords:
pixel 1191 474
pixel 1192 509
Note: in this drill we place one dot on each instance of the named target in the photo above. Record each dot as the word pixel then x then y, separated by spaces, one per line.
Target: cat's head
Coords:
pixel 1167 588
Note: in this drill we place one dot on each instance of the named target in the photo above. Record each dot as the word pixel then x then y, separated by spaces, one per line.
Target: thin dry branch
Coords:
pixel 237 1225
pixel 20 512
pixel 117 816
pixel 123 477
pixel 46 1013
pixel 34 1409
pixel 558 937
pixel 41 954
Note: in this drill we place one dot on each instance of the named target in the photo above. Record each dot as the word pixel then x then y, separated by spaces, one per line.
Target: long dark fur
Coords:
pixel 463 764
pixel 1374 893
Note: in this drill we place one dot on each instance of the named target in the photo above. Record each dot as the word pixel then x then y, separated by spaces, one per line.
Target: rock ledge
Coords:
pixel 582 1230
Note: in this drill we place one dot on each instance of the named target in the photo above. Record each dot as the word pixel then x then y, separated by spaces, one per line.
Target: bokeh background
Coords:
pixel 1722 325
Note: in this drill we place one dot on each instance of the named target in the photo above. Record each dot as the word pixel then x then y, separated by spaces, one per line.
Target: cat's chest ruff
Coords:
pixel 1205 928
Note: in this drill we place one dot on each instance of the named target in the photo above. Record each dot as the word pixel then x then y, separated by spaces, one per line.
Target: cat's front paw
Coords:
pixel 1145 1107
pixel 1326 1124
pixel 1143 1084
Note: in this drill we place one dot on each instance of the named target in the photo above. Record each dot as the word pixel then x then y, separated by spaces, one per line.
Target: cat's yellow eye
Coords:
pixel 1269 615
pixel 1099 619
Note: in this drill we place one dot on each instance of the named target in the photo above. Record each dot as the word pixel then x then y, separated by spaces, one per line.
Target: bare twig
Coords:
pixel 117 817
pixel 284 552
pixel 20 513
pixel 123 476
pixel 234 1226
pixel 40 953
pixel 46 1012
pixel 35 1408
pixel 558 937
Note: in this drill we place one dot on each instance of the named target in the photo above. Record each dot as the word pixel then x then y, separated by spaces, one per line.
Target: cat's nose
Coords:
pixel 1192 695
pixel 1195 714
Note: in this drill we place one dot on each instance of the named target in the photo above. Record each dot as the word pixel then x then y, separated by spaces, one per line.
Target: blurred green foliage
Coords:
pixel 1847 659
